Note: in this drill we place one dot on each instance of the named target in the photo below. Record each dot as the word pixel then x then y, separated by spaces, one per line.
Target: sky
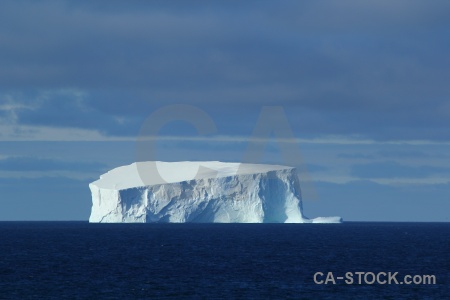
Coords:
pixel 359 89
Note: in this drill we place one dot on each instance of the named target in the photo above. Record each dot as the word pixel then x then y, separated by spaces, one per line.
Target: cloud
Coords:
pixel 316 168
pixel 29 163
pixel 355 156
pixel 397 154
pixel 390 169
pixel 61 109
pixel 403 154
pixel 374 69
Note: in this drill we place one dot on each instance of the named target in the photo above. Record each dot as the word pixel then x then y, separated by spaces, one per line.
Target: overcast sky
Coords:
pixel 363 85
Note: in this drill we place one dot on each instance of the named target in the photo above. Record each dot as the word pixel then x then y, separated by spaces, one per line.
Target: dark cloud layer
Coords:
pixel 377 69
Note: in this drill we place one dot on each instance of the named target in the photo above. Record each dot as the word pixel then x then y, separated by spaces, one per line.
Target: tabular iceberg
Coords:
pixel 208 191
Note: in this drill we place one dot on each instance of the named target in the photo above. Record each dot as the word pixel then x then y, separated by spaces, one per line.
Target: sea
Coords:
pixel 78 260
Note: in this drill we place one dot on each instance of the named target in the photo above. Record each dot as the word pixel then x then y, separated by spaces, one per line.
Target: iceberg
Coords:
pixel 200 191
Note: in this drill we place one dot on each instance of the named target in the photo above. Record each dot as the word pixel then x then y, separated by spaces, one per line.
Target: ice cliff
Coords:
pixel 199 192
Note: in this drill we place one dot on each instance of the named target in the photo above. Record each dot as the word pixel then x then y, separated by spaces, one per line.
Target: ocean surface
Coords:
pixel 78 260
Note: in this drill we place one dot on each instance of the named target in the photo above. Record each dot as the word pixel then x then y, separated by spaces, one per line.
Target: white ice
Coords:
pixel 208 191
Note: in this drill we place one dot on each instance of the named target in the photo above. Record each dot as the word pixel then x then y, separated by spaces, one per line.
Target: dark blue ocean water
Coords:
pixel 78 260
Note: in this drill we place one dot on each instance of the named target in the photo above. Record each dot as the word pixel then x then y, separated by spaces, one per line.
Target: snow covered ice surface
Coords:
pixel 199 191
